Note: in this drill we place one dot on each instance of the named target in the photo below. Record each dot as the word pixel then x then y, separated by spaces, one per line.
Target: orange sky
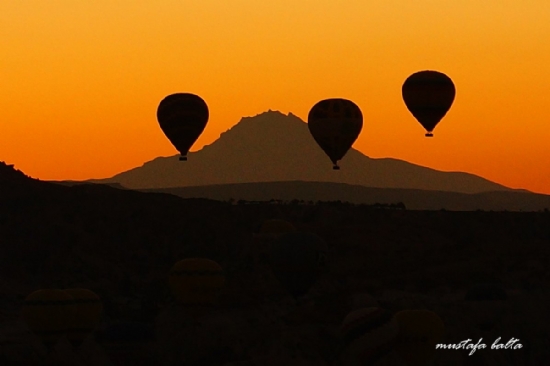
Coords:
pixel 81 80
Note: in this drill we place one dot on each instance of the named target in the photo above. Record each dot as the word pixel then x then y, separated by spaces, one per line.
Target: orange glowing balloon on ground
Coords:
pixel 428 95
pixel 335 124
pixel 182 118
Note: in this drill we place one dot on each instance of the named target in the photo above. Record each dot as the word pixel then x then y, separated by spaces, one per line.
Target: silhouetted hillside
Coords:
pixel 121 244
pixel 14 183
pixel 413 199
pixel 73 227
pixel 71 183
pixel 86 227
pixel 273 147
pixel 9 173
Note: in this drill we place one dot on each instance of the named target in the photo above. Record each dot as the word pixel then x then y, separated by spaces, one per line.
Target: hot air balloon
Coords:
pixel 87 314
pixel 271 229
pixel 297 259
pixel 369 334
pixel 335 124
pixel 428 95
pixel 196 282
pixel 48 313
pixel 419 332
pixel 276 226
pixel 268 231
pixel 487 303
pixel 128 343
pixel 182 118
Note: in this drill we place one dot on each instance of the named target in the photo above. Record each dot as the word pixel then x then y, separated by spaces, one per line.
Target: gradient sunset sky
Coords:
pixel 81 80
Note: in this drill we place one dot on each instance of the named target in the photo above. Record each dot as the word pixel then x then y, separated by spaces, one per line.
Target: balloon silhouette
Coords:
pixel 428 95
pixel 369 334
pixel 419 333
pixel 182 118
pixel 486 291
pixel 195 282
pixel 297 259
pixel 487 303
pixel 48 313
pixel 335 124
pixel 87 314
pixel 276 226
pixel 127 343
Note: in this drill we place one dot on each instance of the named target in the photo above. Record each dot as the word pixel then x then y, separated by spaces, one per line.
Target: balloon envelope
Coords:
pixel 369 333
pixel 297 259
pixel 419 333
pixel 182 118
pixel 87 314
pixel 335 124
pixel 195 282
pixel 487 292
pixel 126 343
pixel 276 226
pixel 428 95
pixel 487 304
pixel 48 313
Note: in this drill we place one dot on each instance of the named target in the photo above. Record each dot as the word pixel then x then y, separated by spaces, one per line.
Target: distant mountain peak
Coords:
pixel 263 127
pixel 269 114
pixel 272 146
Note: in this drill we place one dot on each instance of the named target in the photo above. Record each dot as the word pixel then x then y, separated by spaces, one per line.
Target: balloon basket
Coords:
pixel 429 134
pixel 183 158
pixel 335 167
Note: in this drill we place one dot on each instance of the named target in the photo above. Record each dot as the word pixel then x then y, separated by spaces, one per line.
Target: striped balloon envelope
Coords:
pixel 87 314
pixel 48 313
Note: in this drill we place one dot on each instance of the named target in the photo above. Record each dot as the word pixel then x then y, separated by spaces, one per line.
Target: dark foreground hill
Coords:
pixel 122 243
pixel 413 199
pixel 273 147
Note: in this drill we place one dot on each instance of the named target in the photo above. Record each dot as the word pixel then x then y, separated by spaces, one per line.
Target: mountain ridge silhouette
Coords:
pixel 16 186
pixel 413 199
pixel 272 146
